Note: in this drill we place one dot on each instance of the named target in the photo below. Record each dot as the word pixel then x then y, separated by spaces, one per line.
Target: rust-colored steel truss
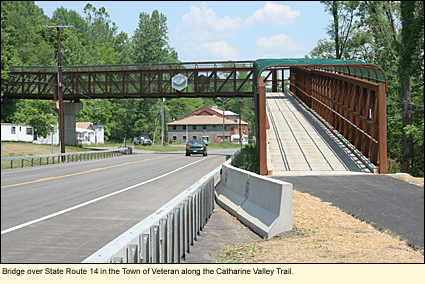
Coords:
pixel 356 108
pixel 204 79
pixel 351 99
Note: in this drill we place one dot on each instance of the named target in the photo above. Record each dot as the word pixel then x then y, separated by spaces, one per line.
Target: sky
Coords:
pixel 222 30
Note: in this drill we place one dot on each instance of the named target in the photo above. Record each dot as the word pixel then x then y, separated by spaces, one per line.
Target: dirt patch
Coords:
pixel 323 233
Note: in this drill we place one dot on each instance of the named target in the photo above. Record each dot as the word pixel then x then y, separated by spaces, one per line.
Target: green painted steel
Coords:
pixel 354 68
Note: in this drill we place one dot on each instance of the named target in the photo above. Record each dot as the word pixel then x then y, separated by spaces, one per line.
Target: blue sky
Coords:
pixel 222 30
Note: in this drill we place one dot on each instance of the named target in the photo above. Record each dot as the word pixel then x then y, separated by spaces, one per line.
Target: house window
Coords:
pixel 214 126
pixel 184 138
pixel 194 137
pixel 204 127
pixel 13 130
pixel 29 131
pixel 174 138
pixel 184 127
pixel 194 127
pixel 174 127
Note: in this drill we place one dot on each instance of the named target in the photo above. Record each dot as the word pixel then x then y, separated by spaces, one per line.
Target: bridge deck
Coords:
pixel 299 144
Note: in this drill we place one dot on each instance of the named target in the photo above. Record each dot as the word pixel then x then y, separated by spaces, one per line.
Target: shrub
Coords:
pixel 247 158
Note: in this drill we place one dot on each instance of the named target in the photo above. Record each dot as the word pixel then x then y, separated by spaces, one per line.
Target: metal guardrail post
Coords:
pixel 144 248
pixel 170 237
pixel 189 223
pixel 133 254
pixel 177 236
pixel 154 241
pixel 195 216
pixel 163 240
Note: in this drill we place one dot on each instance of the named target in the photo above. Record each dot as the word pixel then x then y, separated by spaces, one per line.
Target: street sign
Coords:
pixel 179 82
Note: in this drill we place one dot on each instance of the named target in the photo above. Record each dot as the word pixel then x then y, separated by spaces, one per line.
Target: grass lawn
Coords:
pixel 19 149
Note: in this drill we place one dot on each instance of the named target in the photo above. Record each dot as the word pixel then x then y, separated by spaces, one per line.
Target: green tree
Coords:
pixel 341 29
pixel 412 20
pixel 122 45
pixel 150 40
pixel 36 113
pixel 70 17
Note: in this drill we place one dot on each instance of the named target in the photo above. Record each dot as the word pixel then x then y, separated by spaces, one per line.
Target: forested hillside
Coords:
pixel 93 40
pixel 389 34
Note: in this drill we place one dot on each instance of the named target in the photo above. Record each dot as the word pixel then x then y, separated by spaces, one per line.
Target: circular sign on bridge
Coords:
pixel 179 82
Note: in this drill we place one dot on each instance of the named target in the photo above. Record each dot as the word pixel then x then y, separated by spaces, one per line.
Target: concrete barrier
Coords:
pixel 261 203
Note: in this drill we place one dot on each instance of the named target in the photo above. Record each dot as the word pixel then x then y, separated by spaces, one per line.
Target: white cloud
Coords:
pixel 201 24
pixel 218 50
pixel 280 42
pixel 272 14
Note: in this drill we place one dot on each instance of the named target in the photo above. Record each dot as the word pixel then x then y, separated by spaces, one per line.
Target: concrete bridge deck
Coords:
pixel 300 144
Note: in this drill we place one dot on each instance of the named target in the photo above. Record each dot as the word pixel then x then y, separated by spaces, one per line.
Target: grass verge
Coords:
pixel 323 234
pixel 19 149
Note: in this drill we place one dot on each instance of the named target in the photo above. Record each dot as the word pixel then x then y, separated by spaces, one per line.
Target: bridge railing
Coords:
pixel 208 79
pixel 67 157
pixel 355 108
pixel 166 235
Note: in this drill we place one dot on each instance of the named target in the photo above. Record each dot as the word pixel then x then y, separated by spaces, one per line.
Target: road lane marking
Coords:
pixel 85 172
pixel 93 200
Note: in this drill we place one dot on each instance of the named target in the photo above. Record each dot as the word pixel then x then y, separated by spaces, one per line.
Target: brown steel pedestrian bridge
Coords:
pixel 348 97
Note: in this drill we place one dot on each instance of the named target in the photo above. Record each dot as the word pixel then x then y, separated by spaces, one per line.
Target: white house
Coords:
pixel 90 133
pixel 99 129
pixel 17 132
pixel 87 133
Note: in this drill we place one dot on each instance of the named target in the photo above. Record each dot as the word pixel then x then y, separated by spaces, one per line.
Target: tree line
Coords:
pixel 391 35
pixel 387 33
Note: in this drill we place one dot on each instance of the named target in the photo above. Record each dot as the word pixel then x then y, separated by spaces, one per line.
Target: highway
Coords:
pixel 62 213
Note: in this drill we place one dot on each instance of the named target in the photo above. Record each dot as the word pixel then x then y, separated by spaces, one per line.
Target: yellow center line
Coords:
pixel 89 171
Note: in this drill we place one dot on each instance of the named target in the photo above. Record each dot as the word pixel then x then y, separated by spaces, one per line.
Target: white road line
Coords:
pixel 92 201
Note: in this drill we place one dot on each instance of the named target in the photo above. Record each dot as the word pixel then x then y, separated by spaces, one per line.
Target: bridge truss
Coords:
pixel 349 95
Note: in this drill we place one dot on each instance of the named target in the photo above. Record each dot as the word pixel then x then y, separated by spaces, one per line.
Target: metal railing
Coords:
pixel 166 235
pixel 79 156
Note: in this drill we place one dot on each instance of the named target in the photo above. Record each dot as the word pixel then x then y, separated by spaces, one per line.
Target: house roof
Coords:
pixel 83 125
pixel 203 119
pixel 226 112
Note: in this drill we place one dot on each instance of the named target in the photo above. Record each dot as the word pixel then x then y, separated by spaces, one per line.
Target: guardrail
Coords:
pixel 79 156
pixel 166 235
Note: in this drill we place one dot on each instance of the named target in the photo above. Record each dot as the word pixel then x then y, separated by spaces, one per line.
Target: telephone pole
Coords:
pixel 58 27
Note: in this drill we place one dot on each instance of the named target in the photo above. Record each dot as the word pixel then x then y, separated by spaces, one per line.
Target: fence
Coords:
pixel 167 234
pixel 89 155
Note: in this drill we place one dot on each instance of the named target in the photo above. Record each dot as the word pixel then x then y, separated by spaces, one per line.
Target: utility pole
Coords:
pixel 58 27
pixel 162 122
pixel 223 100
pixel 240 122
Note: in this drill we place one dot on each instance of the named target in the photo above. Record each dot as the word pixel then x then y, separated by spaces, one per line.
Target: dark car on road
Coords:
pixel 196 147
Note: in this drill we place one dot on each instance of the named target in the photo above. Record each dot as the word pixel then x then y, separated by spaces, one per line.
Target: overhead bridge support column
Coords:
pixel 70 111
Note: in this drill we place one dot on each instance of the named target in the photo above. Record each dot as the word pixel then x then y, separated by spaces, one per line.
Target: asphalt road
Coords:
pixel 384 201
pixel 62 213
